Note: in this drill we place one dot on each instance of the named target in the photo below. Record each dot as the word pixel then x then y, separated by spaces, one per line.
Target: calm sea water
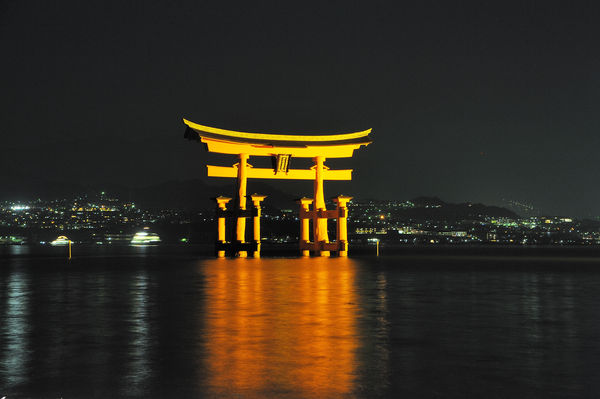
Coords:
pixel 149 326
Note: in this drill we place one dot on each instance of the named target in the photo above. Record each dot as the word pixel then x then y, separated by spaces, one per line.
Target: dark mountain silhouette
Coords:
pixel 196 194
pixel 427 202
pixel 433 208
pixel 182 194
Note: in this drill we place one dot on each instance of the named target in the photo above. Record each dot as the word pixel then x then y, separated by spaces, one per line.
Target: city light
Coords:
pixel 112 221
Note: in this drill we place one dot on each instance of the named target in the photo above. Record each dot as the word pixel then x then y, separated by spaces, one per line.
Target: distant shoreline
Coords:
pixel 201 251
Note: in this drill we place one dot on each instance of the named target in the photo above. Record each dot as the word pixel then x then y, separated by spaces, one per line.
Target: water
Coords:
pixel 412 326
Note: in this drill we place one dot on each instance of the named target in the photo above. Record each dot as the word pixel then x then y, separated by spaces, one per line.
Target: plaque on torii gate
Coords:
pixel 282 148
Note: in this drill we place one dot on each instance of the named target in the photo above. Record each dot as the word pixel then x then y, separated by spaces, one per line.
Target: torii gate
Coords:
pixel 281 148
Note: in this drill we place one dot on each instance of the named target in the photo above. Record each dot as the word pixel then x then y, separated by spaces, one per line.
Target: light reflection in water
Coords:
pixel 296 327
pixel 280 327
pixel 16 250
pixel 15 329
pixel 380 352
pixel 138 370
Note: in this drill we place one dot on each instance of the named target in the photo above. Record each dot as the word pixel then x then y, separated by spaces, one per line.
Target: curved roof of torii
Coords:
pixel 196 132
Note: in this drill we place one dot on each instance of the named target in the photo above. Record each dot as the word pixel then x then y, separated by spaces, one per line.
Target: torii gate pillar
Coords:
pixel 242 184
pixel 320 224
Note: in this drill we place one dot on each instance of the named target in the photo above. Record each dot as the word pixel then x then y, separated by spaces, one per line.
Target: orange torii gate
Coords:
pixel 281 148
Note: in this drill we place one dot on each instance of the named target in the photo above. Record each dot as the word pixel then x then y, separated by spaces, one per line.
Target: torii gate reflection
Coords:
pixel 281 148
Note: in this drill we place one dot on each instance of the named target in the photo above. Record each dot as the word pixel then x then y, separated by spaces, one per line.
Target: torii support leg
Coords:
pixel 256 200
pixel 242 184
pixel 222 205
pixel 320 224
pixel 342 225
pixel 304 224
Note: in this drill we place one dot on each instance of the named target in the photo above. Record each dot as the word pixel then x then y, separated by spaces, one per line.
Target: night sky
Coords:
pixel 467 101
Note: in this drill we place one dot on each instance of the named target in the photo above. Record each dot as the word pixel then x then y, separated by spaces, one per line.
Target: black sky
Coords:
pixel 467 100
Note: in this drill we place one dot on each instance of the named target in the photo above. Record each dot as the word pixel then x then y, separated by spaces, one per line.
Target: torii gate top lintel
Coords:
pixel 260 144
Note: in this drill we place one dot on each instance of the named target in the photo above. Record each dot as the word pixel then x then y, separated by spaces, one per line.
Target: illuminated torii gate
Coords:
pixel 282 148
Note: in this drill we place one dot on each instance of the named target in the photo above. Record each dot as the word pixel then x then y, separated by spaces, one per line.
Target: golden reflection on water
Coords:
pixel 280 326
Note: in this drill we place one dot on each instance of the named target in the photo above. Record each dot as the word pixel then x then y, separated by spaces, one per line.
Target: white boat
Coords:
pixel 61 240
pixel 145 238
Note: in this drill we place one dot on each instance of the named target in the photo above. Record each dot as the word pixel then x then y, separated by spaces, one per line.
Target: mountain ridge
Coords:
pixel 196 194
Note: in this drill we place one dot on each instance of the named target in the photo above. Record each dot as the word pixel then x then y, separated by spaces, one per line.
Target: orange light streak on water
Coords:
pixel 280 326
